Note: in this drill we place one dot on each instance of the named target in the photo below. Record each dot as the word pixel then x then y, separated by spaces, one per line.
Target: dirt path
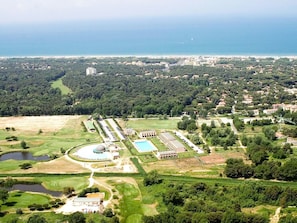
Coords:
pixel 108 187
pixel 275 217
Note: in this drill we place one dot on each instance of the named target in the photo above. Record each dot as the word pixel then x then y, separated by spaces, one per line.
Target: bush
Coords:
pixel 24 144
pixel 108 213
pixel 25 166
pixel 88 190
pixel 152 178
pixel 46 206
pixel 32 207
pixel 19 211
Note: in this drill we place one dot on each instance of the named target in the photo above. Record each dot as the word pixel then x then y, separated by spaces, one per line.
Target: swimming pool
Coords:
pixel 144 146
pixel 87 153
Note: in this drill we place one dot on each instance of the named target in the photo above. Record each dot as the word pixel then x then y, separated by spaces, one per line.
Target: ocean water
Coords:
pixel 192 36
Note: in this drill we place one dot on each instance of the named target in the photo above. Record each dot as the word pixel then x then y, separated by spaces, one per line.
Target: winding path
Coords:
pixel 92 181
pixel 276 216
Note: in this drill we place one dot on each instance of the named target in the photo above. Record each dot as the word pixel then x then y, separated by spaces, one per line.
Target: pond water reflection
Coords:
pixel 36 188
pixel 23 156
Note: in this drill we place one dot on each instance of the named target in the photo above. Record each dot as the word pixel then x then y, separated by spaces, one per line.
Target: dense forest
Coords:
pixel 201 202
pixel 140 86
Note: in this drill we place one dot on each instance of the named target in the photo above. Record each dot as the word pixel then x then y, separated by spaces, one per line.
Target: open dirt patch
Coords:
pixel 60 165
pixel 202 164
pixel 220 158
pixel 34 123
pixel 176 166
pixel 213 159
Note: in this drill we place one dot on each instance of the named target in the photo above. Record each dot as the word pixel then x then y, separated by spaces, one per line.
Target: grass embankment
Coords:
pixel 59 84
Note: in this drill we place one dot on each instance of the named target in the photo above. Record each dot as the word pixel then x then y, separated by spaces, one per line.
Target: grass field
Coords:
pixel 21 200
pixel 59 84
pixel 160 146
pixel 58 183
pixel 130 205
pixel 49 135
pixel 147 124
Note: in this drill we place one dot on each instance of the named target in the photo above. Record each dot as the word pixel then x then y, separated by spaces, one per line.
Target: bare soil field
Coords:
pixel 194 165
pixel 213 159
pixel 60 165
pixel 175 166
pixel 220 158
pixel 34 123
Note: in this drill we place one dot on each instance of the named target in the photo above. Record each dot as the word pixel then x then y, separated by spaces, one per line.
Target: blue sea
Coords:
pixel 190 36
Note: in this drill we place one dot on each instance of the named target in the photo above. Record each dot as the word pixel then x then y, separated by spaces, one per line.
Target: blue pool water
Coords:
pixel 144 146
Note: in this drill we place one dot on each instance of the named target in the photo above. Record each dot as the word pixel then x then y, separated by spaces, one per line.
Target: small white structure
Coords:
pixel 79 201
pixel 149 133
pixel 91 71
pixel 166 154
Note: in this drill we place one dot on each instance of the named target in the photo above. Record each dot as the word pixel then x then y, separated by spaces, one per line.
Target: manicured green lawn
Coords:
pixel 58 183
pixel 49 216
pixel 59 84
pixel 18 199
pixel 9 165
pixel 160 146
pixel 156 124
pixel 130 205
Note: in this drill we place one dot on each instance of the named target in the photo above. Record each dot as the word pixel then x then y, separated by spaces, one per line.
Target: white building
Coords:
pixel 91 71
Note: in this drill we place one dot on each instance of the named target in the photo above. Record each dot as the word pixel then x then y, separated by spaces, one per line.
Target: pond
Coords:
pixel 23 156
pixel 35 188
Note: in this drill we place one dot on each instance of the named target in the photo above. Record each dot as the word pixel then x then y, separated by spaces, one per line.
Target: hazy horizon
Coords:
pixel 30 12
pixel 148 27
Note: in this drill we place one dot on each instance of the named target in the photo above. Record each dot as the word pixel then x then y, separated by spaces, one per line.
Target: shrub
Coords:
pixel 25 166
pixel 19 211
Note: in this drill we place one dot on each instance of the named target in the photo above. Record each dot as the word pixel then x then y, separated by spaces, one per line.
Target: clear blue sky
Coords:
pixel 44 11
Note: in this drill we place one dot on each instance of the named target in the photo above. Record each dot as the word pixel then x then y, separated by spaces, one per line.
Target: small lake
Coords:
pixel 35 188
pixel 23 156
